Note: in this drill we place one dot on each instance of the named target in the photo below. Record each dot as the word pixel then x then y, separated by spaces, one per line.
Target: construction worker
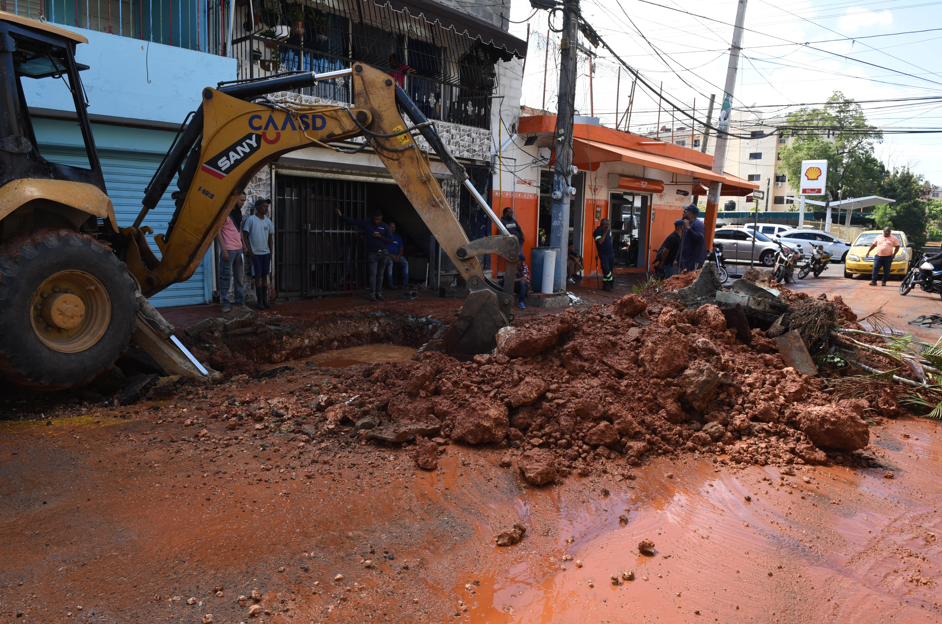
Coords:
pixel 606 251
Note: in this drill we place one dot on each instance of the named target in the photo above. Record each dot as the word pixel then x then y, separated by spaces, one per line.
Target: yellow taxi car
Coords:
pixel 857 262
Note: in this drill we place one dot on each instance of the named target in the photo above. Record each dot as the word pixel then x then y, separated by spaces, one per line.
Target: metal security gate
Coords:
pixel 316 253
pixel 127 174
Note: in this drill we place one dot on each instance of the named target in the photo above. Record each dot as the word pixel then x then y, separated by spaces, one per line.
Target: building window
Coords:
pixel 753 177
pixel 756 134
pixel 781 140
pixel 789 201
pixel 755 156
pixel 779 199
pixel 935 195
pixel 682 143
pixel 781 178
pixel 696 142
pixel 778 156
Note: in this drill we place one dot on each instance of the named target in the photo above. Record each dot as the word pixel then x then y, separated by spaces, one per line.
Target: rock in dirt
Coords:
pixel 425 454
pixel 603 434
pixel 341 413
pixel 630 306
pixel 810 455
pixel 533 339
pixel 509 537
pixel 538 466
pixel 701 384
pixel 646 546
pixel 715 430
pixel 836 426
pixel 366 423
pixel 396 433
pixel 137 388
pixel 481 422
pixel 665 353
pixel 711 318
pixel 527 392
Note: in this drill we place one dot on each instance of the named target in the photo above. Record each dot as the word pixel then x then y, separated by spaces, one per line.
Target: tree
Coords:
pixel 840 134
pixel 934 215
pixel 909 213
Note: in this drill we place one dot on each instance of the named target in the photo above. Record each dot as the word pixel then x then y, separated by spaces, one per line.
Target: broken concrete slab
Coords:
pixel 751 289
pixel 795 353
pixel 764 304
pixel 703 288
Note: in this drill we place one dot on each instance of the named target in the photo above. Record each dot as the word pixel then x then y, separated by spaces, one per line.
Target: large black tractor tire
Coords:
pixel 67 309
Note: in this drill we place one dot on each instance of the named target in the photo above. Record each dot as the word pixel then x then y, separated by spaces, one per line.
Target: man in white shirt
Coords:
pixel 258 239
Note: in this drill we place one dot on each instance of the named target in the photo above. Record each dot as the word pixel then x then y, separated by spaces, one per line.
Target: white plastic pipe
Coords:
pixel 549 271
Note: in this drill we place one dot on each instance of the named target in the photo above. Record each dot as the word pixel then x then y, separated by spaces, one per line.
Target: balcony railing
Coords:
pixel 261 56
pixel 192 24
pixel 449 75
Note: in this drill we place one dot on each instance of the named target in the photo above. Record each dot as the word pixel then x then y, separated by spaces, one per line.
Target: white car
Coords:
pixel 771 229
pixel 834 246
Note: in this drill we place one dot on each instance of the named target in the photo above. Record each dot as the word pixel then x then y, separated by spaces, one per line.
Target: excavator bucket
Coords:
pixel 475 329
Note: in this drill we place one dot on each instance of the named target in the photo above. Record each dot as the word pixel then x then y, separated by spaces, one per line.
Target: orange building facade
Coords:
pixel 641 185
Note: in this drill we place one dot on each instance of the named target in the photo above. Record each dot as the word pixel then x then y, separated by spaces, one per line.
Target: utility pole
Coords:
pixel 563 171
pixel 722 138
pixel 706 138
pixel 706 131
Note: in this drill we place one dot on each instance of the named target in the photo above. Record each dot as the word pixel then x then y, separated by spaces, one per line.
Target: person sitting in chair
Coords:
pixel 521 280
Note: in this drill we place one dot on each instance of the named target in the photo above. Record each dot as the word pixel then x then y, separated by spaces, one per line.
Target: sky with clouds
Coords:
pixel 853 46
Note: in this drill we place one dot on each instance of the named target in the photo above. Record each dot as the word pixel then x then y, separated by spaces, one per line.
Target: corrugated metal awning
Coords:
pixel 461 23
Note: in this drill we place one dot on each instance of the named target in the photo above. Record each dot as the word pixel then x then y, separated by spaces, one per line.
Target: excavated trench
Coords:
pixel 248 343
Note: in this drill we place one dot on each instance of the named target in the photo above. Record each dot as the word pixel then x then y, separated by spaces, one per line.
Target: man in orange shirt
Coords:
pixel 887 248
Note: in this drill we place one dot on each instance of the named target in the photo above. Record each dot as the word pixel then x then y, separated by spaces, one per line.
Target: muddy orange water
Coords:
pixel 123 520
pixel 367 354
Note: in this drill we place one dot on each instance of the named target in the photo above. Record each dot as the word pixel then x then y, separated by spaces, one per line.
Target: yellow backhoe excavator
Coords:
pixel 74 284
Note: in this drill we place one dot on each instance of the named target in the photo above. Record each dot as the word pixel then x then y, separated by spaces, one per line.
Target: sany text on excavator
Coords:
pixel 74 284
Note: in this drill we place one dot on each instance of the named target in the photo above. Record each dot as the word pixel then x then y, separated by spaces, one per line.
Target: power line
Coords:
pixel 843 56
pixel 842 34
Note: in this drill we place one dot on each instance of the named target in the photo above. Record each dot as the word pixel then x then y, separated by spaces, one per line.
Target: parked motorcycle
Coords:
pixel 817 263
pixel 785 261
pixel 925 272
pixel 716 256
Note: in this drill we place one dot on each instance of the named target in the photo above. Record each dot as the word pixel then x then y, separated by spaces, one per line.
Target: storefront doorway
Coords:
pixel 630 215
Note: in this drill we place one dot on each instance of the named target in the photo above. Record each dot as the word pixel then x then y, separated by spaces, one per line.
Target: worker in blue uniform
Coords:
pixel 606 251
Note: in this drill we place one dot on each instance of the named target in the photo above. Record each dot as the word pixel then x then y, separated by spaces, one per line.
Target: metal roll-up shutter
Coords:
pixel 127 174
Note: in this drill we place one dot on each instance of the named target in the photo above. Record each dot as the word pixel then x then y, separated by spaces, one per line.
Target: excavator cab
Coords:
pixel 67 302
pixel 37 60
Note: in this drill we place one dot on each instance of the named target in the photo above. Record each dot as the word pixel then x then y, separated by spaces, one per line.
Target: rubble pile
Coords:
pixel 619 383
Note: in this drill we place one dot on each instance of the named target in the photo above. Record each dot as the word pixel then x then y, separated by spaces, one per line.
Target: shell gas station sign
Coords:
pixel 814 177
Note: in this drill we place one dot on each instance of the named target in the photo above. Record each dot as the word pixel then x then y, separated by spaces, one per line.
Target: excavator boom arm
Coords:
pixel 229 141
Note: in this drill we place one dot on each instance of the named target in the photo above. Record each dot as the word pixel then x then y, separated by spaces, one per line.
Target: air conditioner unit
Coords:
pixel 778 184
